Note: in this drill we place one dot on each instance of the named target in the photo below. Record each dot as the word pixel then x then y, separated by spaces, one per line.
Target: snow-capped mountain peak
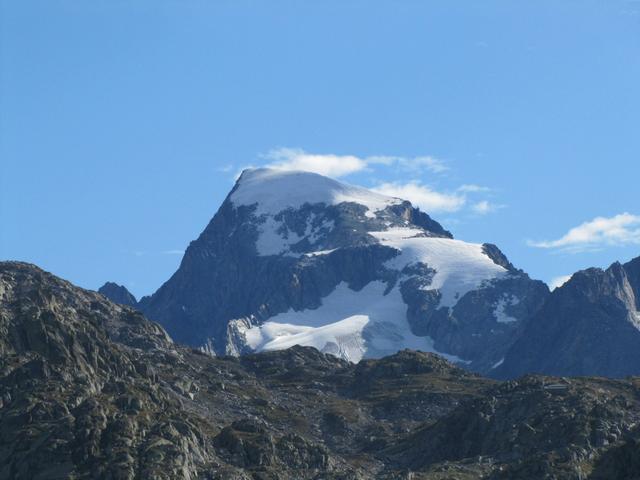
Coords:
pixel 297 213
pixel 296 258
pixel 274 190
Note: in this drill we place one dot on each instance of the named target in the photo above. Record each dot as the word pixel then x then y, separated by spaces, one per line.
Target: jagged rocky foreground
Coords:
pixel 90 389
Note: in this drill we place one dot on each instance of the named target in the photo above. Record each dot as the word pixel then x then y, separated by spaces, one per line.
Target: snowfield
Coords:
pixel 350 324
pixel 276 190
pixel 500 311
pixel 273 191
pixel 460 266
pixel 276 239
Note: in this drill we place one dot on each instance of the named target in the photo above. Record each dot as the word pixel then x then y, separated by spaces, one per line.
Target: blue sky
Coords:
pixel 123 123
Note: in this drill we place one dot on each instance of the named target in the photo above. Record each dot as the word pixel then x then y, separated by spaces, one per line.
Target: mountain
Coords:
pixel 118 294
pixel 589 326
pixel 92 389
pixel 295 258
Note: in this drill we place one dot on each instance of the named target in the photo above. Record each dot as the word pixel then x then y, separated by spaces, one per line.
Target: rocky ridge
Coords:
pixel 91 389
pixel 589 326
pixel 118 294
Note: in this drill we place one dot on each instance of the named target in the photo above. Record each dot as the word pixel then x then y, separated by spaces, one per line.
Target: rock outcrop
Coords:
pixel 589 326
pixel 92 389
pixel 118 294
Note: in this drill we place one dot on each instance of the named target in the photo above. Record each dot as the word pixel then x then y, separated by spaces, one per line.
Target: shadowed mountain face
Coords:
pixel 118 294
pixel 91 389
pixel 589 326
pixel 294 258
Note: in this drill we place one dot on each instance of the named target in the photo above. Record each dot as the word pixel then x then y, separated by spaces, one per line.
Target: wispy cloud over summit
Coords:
pixel 393 175
pixel 333 165
pixel 325 164
pixel 422 196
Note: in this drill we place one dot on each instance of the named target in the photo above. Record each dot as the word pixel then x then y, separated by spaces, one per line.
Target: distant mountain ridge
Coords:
pixel 118 294
pixel 589 326
pixel 298 258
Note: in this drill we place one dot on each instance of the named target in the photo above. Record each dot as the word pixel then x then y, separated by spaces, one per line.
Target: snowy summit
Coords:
pixel 296 258
pixel 274 190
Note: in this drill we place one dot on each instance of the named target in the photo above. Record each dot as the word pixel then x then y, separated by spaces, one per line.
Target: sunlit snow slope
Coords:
pixel 273 191
pixel 350 324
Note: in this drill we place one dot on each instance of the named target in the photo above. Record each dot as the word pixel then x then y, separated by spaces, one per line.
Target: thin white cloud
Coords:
pixel 326 164
pixel 432 164
pixel 341 165
pixel 622 229
pixel 422 196
pixel 471 188
pixel 225 168
pixel 413 164
pixel 559 281
pixel 484 206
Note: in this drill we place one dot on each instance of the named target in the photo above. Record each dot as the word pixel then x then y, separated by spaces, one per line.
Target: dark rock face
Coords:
pixel 472 329
pixel 232 279
pixel 497 256
pixel 222 277
pixel 91 389
pixel 118 294
pixel 537 427
pixel 589 326
pixel 619 462
pixel 74 379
